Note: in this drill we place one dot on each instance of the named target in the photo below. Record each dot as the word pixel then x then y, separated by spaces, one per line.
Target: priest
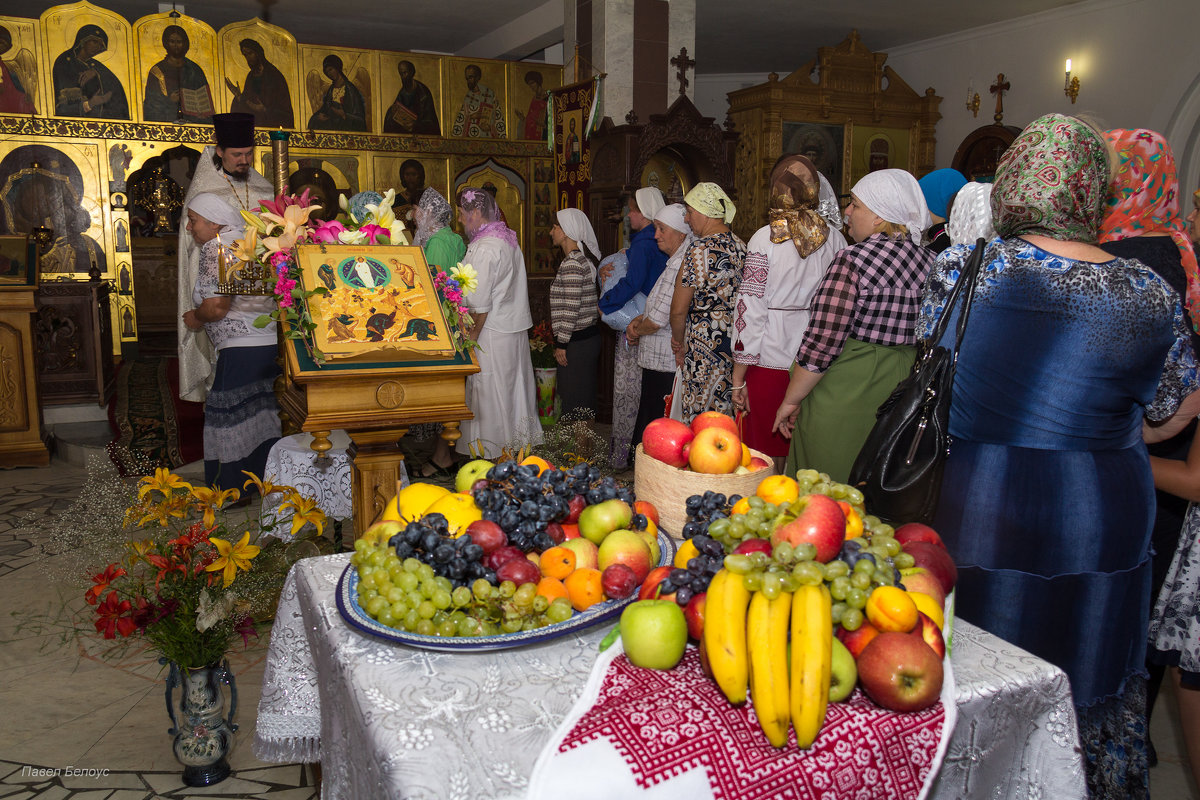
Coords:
pixel 227 171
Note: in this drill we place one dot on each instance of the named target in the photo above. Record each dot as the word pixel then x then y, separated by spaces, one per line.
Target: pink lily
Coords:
pixel 327 232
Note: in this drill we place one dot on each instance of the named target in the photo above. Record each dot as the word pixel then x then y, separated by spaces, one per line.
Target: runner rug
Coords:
pixel 152 426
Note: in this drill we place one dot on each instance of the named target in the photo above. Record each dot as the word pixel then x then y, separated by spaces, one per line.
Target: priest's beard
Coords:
pixel 236 176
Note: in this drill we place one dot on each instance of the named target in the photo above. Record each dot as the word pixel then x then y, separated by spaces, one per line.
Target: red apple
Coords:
pixel 646 509
pixel 857 639
pixel 665 440
pixel 502 555
pixel 918 532
pixel 748 546
pixel 936 561
pixel 819 521
pixel 519 571
pixel 919 579
pixel 570 531
pixel 694 614
pixel 628 548
pixel 928 632
pixel 715 419
pixel 900 672
pixel 715 451
pixel 757 463
pixel 653 579
pixel 487 535
pixel 575 506
pixel 618 581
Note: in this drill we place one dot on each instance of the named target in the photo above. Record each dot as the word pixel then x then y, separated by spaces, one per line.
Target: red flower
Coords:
pixel 113 617
pixel 102 581
pixel 148 613
pixel 246 629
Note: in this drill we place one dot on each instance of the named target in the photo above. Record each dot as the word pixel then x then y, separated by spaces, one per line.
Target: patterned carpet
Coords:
pixel 152 426
pixel 85 718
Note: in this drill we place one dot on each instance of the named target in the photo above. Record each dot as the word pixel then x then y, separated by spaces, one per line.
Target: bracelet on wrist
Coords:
pixel 735 388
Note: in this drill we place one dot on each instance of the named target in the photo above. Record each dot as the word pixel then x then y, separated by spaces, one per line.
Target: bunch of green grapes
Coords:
pixel 407 595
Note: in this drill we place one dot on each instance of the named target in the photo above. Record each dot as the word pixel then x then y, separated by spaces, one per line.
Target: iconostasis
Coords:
pixel 89 101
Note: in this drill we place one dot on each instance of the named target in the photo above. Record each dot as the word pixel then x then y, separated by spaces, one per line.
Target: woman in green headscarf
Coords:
pixel 1047 502
pixel 702 306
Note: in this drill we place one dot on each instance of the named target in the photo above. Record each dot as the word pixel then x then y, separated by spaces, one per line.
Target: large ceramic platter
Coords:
pixel 356 617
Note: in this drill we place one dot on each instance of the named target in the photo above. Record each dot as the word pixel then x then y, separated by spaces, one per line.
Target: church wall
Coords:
pixel 1135 60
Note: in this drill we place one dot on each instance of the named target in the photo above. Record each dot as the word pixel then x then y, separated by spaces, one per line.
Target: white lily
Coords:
pixel 467 277
pixel 352 237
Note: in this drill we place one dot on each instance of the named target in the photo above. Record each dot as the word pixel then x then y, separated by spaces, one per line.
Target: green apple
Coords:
pixel 601 519
pixel 470 472
pixel 843 673
pixel 651 540
pixel 654 633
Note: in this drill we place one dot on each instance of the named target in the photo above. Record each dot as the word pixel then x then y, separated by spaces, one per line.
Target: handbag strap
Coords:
pixel 965 285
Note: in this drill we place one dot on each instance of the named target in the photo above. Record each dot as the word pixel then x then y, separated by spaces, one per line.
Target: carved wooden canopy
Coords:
pixel 845 109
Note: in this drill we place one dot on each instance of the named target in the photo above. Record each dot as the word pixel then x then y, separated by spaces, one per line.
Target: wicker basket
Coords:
pixel 668 488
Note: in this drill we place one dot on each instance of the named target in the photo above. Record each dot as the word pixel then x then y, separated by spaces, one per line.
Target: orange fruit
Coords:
pixel 551 589
pixel 557 562
pixel 741 506
pixel 541 463
pixel 890 608
pixel 854 520
pixel 584 588
pixel 778 489
pixel 929 607
pixel 746 455
pixel 686 552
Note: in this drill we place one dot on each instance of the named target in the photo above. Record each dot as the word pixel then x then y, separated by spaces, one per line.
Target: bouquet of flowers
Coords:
pixel 462 279
pixel 541 346
pixel 196 581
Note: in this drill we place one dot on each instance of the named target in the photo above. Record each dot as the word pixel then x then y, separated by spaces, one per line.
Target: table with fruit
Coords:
pixel 465 637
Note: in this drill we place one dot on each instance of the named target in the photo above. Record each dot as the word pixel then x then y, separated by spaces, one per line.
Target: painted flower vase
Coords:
pixel 549 404
pixel 203 734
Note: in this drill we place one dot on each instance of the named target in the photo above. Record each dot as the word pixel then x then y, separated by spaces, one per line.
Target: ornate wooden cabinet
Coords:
pixel 22 443
pixel 74 342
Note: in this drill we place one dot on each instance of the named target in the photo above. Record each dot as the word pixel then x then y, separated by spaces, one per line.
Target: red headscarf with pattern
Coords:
pixel 1143 198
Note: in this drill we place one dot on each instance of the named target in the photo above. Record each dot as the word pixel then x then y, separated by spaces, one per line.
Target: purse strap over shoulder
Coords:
pixel 964 287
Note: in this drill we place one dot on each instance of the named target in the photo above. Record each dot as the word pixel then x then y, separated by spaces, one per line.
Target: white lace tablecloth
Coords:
pixel 388 720
pixel 292 462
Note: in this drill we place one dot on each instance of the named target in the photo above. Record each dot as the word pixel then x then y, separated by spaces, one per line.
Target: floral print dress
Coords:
pixel 713 268
pixel 1175 623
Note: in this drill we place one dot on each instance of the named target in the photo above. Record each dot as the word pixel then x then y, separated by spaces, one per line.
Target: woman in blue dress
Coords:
pixel 1047 501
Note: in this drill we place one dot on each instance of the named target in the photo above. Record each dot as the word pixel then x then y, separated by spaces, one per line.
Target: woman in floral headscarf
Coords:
pixel 785 260
pixel 702 305
pixel 1047 500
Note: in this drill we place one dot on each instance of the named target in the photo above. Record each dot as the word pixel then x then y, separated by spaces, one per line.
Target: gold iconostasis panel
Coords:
pixel 82 61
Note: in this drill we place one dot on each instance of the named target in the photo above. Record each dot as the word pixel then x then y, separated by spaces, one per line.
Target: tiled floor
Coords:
pixel 99 720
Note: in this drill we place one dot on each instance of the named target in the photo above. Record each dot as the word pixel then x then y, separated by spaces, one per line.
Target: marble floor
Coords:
pixel 83 721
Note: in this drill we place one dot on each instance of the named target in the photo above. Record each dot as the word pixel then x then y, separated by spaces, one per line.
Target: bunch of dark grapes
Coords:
pixel 704 508
pixel 523 503
pixel 428 540
pixel 689 582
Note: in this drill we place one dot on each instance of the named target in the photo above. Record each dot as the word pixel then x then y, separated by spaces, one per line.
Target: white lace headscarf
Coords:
pixel 895 195
pixel 971 216
pixel 431 215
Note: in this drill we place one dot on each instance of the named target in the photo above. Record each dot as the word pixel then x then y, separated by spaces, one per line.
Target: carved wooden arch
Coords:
pixel 685 128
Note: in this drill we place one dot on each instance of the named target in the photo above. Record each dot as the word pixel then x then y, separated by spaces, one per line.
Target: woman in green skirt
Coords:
pixel 860 341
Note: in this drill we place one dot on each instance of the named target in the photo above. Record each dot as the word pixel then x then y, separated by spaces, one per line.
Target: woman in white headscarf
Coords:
pixel 785 261
pixel 702 306
pixel 241 419
pixel 651 331
pixel 574 313
pixel 861 338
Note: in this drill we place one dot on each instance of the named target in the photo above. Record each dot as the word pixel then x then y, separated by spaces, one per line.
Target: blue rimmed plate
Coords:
pixel 357 618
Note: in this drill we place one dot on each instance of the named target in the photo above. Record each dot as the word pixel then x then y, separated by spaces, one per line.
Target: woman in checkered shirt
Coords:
pixel 861 337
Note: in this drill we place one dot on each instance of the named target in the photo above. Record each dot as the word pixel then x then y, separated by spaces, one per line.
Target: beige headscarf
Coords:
pixel 795 193
pixel 711 201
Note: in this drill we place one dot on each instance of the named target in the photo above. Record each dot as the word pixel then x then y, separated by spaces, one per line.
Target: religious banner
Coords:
pixel 575 111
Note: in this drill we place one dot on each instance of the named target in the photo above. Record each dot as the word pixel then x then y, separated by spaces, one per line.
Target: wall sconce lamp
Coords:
pixel 972 99
pixel 1071 87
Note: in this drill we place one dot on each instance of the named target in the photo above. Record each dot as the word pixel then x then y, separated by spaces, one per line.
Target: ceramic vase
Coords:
pixel 549 404
pixel 203 733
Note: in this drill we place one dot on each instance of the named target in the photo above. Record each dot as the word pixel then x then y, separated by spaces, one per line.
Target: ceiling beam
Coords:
pixel 529 33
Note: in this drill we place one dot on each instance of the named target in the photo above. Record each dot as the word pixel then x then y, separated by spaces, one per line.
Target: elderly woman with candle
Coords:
pixel 241 418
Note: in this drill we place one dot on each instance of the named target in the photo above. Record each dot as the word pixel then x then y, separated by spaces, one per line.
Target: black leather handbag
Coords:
pixel 899 469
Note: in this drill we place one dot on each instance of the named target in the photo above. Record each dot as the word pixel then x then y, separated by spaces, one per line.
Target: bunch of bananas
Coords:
pixel 746 639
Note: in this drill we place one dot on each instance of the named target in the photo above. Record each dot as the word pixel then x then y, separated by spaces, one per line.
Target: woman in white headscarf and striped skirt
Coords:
pixel 241 418
pixel 574 313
